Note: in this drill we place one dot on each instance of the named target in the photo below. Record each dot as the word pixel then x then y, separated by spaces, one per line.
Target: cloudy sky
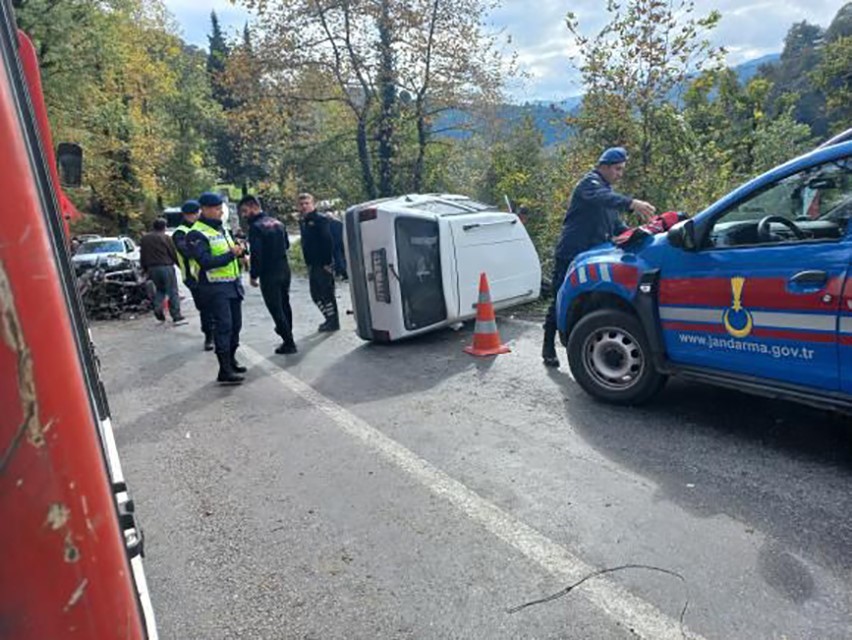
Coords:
pixel 749 29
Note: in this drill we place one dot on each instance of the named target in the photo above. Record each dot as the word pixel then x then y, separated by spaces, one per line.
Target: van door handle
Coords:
pixel 810 278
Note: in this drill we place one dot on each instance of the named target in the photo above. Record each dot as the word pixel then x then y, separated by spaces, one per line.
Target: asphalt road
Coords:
pixel 411 491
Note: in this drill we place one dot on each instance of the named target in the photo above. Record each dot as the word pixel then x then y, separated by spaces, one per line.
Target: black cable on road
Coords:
pixel 600 572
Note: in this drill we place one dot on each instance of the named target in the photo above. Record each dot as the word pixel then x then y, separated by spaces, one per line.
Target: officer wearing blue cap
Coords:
pixel 214 262
pixel 191 209
pixel 592 218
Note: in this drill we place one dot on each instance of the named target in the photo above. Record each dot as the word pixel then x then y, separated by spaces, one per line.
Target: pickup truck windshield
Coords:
pixel 101 246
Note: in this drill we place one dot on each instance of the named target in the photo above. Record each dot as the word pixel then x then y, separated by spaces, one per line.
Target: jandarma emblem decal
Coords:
pixel 738 321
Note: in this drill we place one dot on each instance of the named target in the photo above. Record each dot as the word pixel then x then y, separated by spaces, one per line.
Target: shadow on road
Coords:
pixel 778 467
pixel 404 367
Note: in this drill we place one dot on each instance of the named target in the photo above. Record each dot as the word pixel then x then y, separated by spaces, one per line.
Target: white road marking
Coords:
pixel 633 612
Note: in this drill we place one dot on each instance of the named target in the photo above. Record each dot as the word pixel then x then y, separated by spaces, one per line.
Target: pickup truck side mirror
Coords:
pixel 682 236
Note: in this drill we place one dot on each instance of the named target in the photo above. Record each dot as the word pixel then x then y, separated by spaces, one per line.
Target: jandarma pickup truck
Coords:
pixel 753 293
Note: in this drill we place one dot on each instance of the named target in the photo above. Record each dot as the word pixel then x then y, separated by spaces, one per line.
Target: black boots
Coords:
pixel 548 348
pixel 332 324
pixel 332 320
pixel 208 341
pixel 287 348
pixel 227 375
pixel 236 366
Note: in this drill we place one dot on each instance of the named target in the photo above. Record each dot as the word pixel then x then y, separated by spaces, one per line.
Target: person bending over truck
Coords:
pixel 592 218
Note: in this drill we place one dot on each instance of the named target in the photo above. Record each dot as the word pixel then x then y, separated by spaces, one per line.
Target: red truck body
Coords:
pixel 69 541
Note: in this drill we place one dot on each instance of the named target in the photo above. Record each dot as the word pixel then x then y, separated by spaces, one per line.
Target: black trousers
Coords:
pixel 206 319
pixel 165 280
pixel 560 268
pixel 226 312
pixel 276 294
pixel 322 291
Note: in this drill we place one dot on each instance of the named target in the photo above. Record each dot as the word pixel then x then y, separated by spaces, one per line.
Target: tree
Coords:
pixel 222 92
pixel 446 62
pixel 195 118
pixel 371 53
pixel 792 76
pixel 119 82
pixel 833 77
pixel 521 171
pixel 256 124
pixel 387 95
pixel 631 69
pixel 841 25
pixel 217 59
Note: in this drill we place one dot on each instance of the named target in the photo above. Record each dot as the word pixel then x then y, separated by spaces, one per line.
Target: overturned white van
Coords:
pixel 414 262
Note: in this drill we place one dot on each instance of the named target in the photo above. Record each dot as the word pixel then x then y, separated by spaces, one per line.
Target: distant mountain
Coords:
pixel 747 70
pixel 549 116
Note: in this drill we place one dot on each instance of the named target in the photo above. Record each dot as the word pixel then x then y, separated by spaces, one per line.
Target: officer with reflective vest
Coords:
pixel 592 218
pixel 214 262
pixel 191 210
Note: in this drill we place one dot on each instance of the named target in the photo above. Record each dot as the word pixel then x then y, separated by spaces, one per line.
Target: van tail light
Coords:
pixel 367 214
pixel 381 336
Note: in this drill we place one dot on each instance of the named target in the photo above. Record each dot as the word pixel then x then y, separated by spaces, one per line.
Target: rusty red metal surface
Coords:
pixel 29 63
pixel 64 571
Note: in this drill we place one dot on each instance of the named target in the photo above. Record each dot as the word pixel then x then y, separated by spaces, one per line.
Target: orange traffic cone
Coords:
pixel 486 340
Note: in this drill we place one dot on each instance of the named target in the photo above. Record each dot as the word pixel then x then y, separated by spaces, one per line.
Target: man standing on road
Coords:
pixel 214 256
pixel 269 267
pixel 191 210
pixel 158 259
pixel 318 249
pixel 592 218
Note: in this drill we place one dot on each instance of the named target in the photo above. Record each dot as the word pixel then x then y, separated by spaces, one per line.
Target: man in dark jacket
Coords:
pixel 158 259
pixel 191 210
pixel 269 268
pixel 318 249
pixel 214 257
pixel 592 218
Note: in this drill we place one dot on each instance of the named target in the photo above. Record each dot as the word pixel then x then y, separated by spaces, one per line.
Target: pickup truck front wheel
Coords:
pixel 610 358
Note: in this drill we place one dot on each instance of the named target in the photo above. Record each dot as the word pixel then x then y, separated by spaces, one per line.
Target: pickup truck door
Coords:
pixel 766 303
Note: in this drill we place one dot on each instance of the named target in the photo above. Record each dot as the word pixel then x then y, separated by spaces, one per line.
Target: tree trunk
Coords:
pixel 422 140
pixel 364 158
pixel 388 101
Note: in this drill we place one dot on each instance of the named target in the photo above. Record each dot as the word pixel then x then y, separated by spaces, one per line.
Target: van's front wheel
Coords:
pixel 610 358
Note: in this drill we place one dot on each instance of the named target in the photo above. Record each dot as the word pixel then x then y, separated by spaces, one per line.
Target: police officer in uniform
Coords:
pixel 269 268
pixel 318 250
pixel 592 218
pixel 214 260
pixel 191 209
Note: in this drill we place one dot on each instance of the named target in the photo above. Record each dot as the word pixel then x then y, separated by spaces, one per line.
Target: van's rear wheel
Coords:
pixel 610 358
